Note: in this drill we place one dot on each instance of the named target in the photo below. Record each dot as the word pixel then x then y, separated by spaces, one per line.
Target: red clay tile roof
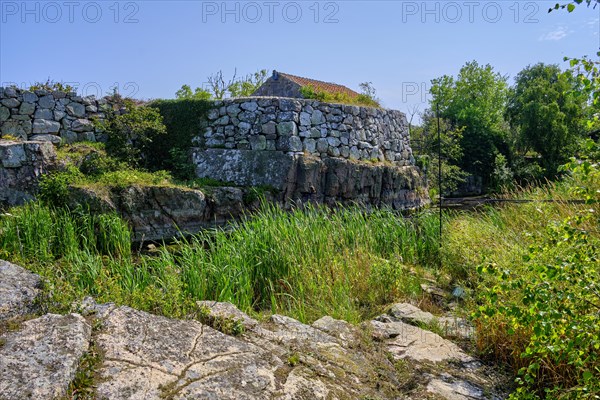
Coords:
pixel 327 87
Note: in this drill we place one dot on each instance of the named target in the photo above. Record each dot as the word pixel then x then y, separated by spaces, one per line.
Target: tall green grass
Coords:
pixel 306 263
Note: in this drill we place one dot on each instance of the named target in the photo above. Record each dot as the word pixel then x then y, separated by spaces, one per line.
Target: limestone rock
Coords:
pixel 46 138
pixel 10 102
pixel 451 388
pixel 82 125
pixel 19 289
pixel 39 360
pixel 411 314
pixel 75 109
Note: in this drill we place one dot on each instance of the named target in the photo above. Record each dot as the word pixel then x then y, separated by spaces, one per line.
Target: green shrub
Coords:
pixel 54 187
pixel 131 135
pixel 52 86
pixel 542 315
pixel 184 119
pixel 96 163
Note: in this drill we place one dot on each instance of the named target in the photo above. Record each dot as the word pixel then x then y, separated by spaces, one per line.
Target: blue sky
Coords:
pixel 150 48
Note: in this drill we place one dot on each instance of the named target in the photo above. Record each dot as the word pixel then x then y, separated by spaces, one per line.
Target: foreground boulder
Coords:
pixel 39 359
pixel 19 289
pixel 223 353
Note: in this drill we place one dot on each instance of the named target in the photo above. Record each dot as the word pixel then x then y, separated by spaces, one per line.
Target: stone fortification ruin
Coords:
pixel 311 151
pixel 300 150
pixel 56 116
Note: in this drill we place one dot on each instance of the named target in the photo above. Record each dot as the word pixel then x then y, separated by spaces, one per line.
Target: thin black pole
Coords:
pixel 437 111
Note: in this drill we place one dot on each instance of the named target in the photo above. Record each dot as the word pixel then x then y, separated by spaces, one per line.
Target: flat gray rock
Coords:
pixel 455 389
pixel 406 341
pixel 408 313
pixel 18 290
pixel 152 357
pixel 39 360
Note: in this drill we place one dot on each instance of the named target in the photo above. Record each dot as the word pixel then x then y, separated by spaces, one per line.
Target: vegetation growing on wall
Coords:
pixel 184 119
pixel 219 87
pixel 367 98
pixel 134 135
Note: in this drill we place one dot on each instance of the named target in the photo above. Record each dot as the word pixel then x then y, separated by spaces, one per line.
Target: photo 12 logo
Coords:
pixel 470 11
pixel 53 12
pixel 125 89
pixel 270 11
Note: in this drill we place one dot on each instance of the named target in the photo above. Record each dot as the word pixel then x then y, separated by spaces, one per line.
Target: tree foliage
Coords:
pixel 424 140
pixel 474 102
pixel 130 135
pixel 220 87
pixel 546 114
pixel 186 93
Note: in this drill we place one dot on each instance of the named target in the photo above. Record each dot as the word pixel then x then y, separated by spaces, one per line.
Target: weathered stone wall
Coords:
pixel 312 151
pixel 21 165
pixel 310 127
pixel 50 115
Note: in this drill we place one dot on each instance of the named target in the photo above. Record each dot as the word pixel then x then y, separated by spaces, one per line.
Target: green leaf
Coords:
pixel 570 7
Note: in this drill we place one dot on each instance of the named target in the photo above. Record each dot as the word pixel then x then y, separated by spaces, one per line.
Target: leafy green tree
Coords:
pixel 474 102
pixel 244 87
pixel 186 93
pixel 587 73
pixel 424 141
pixel 545 114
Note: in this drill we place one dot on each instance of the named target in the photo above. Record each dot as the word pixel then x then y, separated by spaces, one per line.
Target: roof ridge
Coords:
pixel 310 79
pixel 322 85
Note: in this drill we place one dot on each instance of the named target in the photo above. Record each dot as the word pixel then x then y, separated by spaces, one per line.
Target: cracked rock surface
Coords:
pixel 40 359
pixel 145 356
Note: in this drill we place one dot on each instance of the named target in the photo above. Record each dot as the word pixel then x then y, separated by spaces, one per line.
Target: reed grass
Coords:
pixel 347 263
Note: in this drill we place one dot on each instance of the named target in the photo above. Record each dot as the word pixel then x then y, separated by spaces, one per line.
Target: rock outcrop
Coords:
pixel 40 359
pixel 157 213
pixel 19 289
pixel 302 178
pixel 144 356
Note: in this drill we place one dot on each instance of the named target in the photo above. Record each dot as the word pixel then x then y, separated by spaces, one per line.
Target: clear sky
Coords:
pixel 148 49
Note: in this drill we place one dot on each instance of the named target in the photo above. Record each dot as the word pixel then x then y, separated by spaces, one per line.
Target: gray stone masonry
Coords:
pixel 51 116
pixel 309 127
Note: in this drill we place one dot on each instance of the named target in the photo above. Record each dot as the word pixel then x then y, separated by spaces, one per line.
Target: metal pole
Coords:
pixel 437 106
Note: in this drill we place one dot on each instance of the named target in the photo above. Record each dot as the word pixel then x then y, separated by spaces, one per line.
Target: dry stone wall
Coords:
pixel 21 165
pixel 309 127
pixel 311 151
pixel 52 116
